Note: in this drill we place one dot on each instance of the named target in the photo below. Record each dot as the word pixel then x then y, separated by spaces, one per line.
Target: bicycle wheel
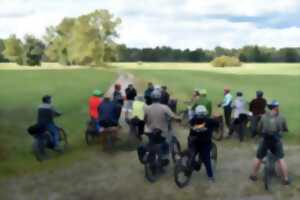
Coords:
pixel 266 178
pixel 63 138
pixel 214 156
pixel 151 170
pixel 219 132
pixel 38 151
pixel 176 149
pixel 183 171
pixel 90 138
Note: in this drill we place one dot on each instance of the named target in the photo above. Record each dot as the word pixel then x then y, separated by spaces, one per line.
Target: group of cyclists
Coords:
pixel 154 110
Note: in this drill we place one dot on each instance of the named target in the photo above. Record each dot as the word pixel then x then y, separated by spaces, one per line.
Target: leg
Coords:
pixel 227 114
pixel 256 167
pixel 141 128
pixel 283 169
pixel 205 153
pixel 261 153
pixel 254 123
pixel 54 131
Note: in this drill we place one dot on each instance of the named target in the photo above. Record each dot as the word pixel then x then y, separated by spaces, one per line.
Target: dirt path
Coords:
pixel 124 79
pixel 119 176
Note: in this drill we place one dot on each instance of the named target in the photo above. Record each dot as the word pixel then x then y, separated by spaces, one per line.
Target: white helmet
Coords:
pixel 201 110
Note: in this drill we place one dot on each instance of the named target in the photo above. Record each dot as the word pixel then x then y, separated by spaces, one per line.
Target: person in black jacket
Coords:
pixel 148 92
pixel 165 96
pixel 131 93
pixel 45 118
pixel 200 138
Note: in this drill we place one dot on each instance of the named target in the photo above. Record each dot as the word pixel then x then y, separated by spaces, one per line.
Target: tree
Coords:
pixel 288 55
pixel 86 40
pixel 33 51
pixel 13 49
pixel 2 47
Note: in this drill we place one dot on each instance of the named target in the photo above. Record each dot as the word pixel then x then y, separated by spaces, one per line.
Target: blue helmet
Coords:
pixel 273 104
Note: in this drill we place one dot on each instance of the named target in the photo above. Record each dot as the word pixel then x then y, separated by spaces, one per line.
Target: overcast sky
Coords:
pixel 177 23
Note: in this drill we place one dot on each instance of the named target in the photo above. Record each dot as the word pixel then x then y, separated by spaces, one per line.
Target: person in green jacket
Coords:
pixel 203 100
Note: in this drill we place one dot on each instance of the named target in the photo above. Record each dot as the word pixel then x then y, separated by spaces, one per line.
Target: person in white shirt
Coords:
pixel 240 116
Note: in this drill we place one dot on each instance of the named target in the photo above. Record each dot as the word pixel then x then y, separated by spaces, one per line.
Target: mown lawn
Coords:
pixel 284 88
pixel 21 93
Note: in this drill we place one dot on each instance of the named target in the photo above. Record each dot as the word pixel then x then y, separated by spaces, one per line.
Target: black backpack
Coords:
pixel 36 129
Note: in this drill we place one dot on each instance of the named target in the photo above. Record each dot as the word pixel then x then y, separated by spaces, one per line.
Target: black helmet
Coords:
pixel 46 99
pixel 259 93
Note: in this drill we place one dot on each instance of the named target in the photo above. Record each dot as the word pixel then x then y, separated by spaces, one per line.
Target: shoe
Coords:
pixel 211 180
pixel 253 178
pixel 286 182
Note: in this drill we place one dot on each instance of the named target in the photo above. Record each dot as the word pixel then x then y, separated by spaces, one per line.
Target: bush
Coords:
pixel 226 61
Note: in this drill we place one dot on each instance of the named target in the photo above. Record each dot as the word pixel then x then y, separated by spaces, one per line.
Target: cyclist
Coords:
pixel 157 116
pixel 271 125
pixel 200 138
pixel 118 99
pixel 147 94
pixel 45 118
pixel 137 116
pixel 130 95
pixel 226 105
pixel 240 116
pixel 108 113
pixel 203 100
pixel 258 108
pixel 165 96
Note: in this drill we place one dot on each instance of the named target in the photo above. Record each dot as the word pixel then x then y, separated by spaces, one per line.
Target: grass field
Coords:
pixel 21 93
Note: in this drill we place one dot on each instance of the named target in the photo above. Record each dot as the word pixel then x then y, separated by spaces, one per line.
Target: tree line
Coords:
pixel 251 53
pixel 90 40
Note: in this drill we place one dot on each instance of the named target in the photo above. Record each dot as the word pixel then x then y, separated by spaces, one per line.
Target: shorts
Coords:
pixel 276 148
pixel 107 123
pixel 128 106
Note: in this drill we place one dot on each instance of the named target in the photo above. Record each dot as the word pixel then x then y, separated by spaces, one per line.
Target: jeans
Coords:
pixel 254 123
pixel 204 150
pixel 227 115
pixel 54 131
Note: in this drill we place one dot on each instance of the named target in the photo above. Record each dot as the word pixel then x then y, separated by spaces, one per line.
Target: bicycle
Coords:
pixel 40 149
pixel 269 169
pixel 151 155
pixel 184 168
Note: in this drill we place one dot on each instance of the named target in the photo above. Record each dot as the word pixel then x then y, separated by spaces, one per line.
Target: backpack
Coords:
pixel 36 129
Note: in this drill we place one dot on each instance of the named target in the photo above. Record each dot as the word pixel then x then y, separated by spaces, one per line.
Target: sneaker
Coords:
pixel 211 180
pixel 253 178
pixel 286 182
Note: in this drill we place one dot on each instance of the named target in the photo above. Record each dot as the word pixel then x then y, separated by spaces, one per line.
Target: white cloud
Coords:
pixel 176 23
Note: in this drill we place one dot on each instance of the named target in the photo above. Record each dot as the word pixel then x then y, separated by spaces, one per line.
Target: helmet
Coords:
pixel 97 93
pixel 201 110
pixel 273 104
pixel 46 99
pixel 156 94
pixel 259 93
pixel 203 92
pixel 239 94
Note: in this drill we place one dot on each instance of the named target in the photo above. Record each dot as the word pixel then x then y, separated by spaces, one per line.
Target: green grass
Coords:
pixel 21 93
pixel 284 88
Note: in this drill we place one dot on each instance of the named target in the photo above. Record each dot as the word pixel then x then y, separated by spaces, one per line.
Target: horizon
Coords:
pixel 206 25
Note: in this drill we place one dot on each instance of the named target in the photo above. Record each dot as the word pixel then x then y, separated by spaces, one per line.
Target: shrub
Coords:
pixel 226 61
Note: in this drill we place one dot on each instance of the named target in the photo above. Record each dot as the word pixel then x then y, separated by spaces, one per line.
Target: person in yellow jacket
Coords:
pixel 136 118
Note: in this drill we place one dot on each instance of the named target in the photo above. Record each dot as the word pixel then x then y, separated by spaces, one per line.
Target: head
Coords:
pixel 164 88
pixel 226 90
pixel 203 92
pixel 274 107
pixel 155 96
pixel 130 86
pixel 239 94
pixel 47 99
pixel 117 87
pixel 150 85
pixel 200 114
pixel 97 93
pixel 259 94
pixel 196 92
